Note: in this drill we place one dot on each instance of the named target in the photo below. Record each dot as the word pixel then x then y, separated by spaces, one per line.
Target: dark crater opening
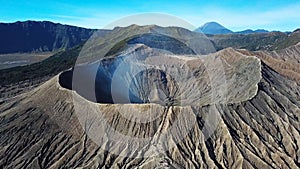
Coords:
pixel 147 86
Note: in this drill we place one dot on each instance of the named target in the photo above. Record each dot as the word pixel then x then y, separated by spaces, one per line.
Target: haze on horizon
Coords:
pixel 236 15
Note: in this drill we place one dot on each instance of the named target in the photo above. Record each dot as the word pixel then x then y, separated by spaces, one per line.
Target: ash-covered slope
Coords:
pixel 285 61
pixel 258 126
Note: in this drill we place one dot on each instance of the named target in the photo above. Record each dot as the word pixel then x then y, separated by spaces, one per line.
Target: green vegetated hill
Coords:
pixel 154 41
pixel 173 39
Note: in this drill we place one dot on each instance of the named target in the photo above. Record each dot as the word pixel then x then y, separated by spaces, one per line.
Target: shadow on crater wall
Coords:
pixel 140 87
pixel 100 93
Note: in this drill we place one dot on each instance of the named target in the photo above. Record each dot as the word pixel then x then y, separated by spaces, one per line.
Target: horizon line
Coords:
pixel 85 27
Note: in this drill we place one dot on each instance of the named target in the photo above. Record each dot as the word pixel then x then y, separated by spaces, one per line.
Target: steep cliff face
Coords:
pixel 254 123
pixel 32 36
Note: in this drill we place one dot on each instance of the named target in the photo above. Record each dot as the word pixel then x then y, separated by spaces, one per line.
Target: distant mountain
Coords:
pixel 256 41
pixel 213 28
pixel 32 36
pixel 250 31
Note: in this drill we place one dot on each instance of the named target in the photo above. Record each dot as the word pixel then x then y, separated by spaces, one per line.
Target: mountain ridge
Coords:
pixel 22 37
pixel 215 28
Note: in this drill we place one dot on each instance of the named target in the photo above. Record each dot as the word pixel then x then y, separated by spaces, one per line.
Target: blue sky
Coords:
pixel 237 15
